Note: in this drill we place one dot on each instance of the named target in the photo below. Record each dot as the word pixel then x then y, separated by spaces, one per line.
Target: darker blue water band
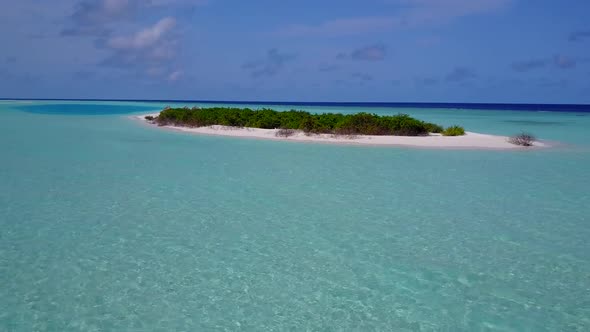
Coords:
pixel 117 109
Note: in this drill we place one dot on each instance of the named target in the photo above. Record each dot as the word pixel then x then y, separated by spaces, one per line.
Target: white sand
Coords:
pixel 469 141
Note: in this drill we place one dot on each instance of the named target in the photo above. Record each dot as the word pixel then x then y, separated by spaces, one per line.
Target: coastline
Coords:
pixel 470 141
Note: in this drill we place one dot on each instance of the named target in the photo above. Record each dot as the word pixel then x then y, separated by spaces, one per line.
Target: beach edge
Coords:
pixel 469 141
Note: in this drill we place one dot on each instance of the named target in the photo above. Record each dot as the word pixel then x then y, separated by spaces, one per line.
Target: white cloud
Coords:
pixel 150 51
pixel 103 11
pixel 411 13
pixel 564 62
pixel 437 11
pixel 175 75
pixel 148 37
pixel 345 26
pixel 100 17
pixel 370 53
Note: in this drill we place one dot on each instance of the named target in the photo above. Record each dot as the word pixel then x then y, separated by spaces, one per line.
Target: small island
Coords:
pixel 309 123
pixel 360 128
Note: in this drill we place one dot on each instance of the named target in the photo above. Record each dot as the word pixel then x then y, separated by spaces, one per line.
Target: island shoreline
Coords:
pixel 469 141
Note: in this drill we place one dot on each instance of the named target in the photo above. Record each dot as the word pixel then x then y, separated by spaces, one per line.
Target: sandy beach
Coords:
pixel 470 140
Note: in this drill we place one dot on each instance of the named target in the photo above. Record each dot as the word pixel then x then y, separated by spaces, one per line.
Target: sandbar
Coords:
pixel 470 140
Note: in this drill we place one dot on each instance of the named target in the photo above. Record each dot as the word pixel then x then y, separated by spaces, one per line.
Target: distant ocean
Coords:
pixel 473 106
pixel 107 224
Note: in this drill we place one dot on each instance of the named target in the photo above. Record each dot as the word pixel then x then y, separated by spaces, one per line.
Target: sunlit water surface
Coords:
pixel 110 225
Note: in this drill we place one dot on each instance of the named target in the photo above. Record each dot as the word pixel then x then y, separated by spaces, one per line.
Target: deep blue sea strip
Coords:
pixel 477 106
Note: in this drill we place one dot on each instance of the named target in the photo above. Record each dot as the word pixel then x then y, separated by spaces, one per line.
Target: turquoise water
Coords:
pixel 110 225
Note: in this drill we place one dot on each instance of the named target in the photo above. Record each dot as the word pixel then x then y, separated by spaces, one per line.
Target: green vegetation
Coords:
pixel 522 139
pixel 329 123
pixel 434 128
pixel 454 131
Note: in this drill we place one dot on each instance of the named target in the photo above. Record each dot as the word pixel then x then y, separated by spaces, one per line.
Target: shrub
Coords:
pixel 522 139
pixel 284 132
pixel 433 128
pixel 310 123
pixel 454 131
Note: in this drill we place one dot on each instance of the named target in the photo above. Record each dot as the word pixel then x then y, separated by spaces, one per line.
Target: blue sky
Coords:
pixel 519 51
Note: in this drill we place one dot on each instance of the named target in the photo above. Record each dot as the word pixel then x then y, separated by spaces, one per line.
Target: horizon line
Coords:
pixel 518 106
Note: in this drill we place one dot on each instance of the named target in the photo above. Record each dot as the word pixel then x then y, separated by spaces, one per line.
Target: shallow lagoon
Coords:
pixel 107 224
